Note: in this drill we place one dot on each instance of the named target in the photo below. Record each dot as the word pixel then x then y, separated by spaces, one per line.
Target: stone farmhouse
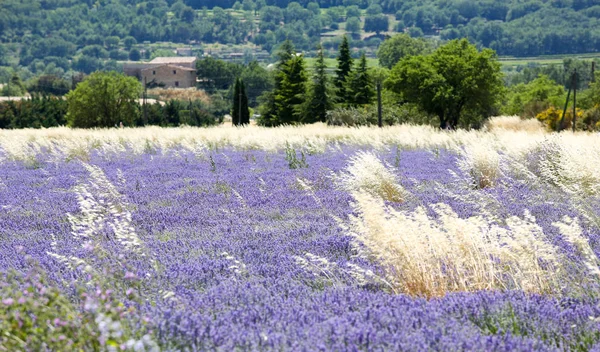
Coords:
pixel 172 72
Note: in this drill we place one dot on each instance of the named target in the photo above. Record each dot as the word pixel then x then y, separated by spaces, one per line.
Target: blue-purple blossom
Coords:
pixel 234 250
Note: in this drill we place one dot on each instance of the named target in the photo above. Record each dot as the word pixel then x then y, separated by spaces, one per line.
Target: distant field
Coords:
pixel 546 60
pixel 506 62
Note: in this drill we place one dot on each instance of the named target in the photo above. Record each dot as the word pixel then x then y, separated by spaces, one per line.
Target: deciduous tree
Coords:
pixel 455 79
pixel 104 99
pixel 399 46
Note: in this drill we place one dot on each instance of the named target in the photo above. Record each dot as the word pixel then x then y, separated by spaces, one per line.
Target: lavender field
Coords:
pixel 299 239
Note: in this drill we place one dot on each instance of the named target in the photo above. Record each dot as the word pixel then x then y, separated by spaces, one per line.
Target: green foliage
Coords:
pixel 39 111
pixel 87 64
pixel 112 42
pixel 353 25
pixel 134 55
pixel 217 74
pixel 400 46
pixel 36 316
pixel 256 80
pixel 528 100
pixel 367 115
pixel 592 95
pixel 456 80
pixel 129 42
pixel 590 120
pixel 359 85
pixel 319 99
pixel 344 67
pixel 377 23
pixel 49 84
pixel 104 99
pixel 62 28
pixel 284 105
pixel 14 88
pixel 289 96
pixel 240 115
pixel 291 157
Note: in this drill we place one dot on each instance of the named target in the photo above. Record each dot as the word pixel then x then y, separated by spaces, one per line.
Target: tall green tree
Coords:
pixel 359 85
pixel 284 103
pixel 217 74
pixel 319 98
pixel 268 108
pixel 344 67
pixel 455 79
pixel 240 114
pixel 104 99
pixel 399 46
pixel 528 100
pixel 257 80
pixel 377 23
pixel 290 96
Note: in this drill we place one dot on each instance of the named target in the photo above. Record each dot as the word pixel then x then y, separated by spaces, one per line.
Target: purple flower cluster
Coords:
pixel 223 234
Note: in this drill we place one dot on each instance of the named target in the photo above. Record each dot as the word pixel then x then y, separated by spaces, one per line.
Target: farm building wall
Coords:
pixel 170 76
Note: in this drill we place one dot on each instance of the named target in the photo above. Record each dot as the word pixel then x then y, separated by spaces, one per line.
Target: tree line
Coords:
pixel 451 85
pixel 58 35
pixel 104 99
pixel 455 85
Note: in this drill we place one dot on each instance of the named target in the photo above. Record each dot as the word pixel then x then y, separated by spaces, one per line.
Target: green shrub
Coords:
pixel 367 116
pixel 36 316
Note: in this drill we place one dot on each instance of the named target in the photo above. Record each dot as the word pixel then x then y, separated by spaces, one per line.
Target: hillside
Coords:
pixel 87 35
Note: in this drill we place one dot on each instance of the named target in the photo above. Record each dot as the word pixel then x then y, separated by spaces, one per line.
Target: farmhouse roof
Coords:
pixel 171 66
pixel 174 60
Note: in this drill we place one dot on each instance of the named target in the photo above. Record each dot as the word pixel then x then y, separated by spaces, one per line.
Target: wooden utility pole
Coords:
pixel 559 126
pixel 144 101
pixel 593 71
pixel 379 114
pixel 574 99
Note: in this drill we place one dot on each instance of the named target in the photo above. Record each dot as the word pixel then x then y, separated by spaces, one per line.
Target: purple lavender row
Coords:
pixel 226 236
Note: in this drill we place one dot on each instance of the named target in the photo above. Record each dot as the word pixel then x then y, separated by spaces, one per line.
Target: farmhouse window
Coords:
pixel 153 72
pixel 176 84
pixel 174 72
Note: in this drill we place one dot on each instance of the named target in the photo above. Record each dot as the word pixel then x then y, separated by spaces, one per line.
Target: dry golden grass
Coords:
pixel 429 256
pixel 179 94
pixel 514 123
pixel 571 161
pixel 481 161
pixel 366 173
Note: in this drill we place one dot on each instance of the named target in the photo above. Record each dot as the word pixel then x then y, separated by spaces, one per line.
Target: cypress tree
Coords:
pixel 359 87
pixel 240 114
pixel 344 68
pixel 318 101
pixel 235 111
pixel 244 108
